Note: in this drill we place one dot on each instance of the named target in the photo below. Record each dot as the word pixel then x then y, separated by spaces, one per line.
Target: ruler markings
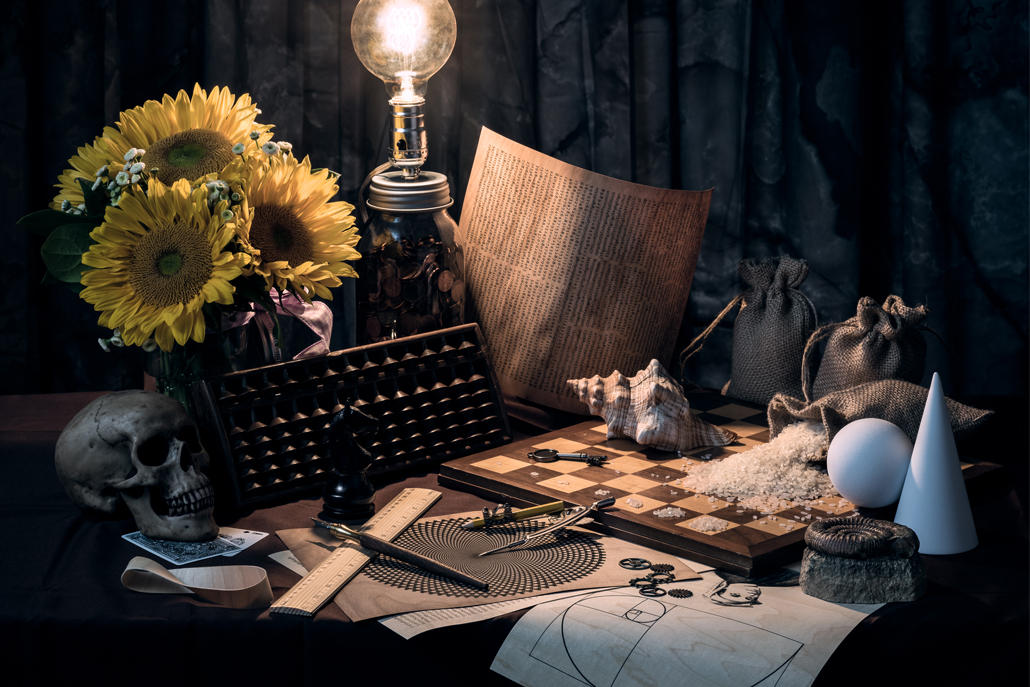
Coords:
pixel 321 584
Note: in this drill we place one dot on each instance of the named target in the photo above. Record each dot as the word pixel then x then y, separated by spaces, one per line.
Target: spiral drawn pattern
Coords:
pixel 537 566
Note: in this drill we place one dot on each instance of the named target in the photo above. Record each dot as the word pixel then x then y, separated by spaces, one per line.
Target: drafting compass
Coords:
pixel 549 455
pixel 570 519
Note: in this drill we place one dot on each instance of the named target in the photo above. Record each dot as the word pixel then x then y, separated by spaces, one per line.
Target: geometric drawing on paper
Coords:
pixel 635 627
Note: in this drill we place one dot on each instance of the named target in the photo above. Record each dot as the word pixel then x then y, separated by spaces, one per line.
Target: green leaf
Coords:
pixel 49 278
pixel 63 249
pixel 45 221
pixel 96 201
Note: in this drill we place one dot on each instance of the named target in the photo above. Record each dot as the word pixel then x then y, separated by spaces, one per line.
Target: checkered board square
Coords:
pixel 644 480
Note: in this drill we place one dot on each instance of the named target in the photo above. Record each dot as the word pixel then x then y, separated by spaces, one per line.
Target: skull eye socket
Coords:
pixel 153 451
pixel 191 437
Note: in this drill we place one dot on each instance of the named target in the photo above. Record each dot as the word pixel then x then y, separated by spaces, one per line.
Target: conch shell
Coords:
pixel 650 408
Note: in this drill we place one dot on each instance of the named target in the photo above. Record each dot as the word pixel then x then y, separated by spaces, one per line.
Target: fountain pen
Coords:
pixel 393 551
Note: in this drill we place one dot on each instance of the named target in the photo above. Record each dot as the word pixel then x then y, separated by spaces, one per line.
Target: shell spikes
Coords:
pixel 650 408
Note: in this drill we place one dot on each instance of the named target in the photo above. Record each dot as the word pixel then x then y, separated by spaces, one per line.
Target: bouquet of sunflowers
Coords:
pixel 186 215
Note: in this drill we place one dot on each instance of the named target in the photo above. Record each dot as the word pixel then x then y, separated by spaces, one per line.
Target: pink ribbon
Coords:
pixel 315 316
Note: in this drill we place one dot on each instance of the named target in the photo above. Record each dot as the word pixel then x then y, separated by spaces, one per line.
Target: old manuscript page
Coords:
pixel 570 273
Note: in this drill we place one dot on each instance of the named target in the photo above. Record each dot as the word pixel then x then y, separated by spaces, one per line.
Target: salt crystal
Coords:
pixel 563 481
pixel 707 523
pixel 670 512
pixel 740 511
pixel 754 517
pixel 674 493
pixel 601 492
pixel 534 474
pixel 634 503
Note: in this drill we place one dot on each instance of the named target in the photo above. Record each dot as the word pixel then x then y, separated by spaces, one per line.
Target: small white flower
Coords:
pixel 136 178
pixel 138 167
pixel 97 184
pixel 238 148
pixel 102 171
pixel 127 166
pixel 66 205
pixel 149 346
pixel 285 146
pixel 214 197
pixel 75 212
pixel 270 149
pixel 122 179
pixel 227 215
pixel 82 206
pixel 130 154
pixel 235 197
pixel 117 342
pixel 103 344
pixel 112 185
pixel 254 135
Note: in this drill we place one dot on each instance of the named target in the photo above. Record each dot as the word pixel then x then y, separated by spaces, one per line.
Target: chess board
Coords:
pixel 752 541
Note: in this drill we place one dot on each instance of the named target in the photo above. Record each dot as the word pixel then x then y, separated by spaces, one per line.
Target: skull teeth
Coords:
pixel 192 501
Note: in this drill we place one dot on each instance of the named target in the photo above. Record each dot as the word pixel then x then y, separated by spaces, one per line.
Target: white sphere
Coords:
pixel 868 460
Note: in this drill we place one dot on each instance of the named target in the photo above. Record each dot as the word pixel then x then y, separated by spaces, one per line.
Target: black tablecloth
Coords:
pixel 66 619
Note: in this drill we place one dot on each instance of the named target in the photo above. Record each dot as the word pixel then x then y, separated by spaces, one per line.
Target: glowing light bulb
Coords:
pixel 403 42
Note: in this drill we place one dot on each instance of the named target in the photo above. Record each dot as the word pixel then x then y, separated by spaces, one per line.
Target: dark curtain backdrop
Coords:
pixel 884 142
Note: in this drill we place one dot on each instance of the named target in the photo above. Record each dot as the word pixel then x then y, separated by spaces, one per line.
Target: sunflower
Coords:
pixel 298 239
pixel 185 138
pixel 90 158
pixel 159 258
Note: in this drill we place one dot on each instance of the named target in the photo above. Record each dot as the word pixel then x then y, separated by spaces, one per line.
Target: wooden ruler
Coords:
pixel 321 584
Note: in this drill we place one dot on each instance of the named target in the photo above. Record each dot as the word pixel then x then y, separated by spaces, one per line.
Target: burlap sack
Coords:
pixel 877 343
pixel 892 400
pixel 771 330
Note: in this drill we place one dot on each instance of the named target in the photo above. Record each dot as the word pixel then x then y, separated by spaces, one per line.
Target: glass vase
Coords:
pixel 238 348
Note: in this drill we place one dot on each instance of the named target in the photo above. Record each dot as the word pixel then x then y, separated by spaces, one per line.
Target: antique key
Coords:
pixel 549 455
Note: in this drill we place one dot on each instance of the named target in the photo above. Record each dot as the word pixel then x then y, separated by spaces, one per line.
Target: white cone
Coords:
pixel 933 501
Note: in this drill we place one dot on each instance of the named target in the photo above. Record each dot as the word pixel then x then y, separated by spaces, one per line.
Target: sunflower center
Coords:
pixel 170 264
pixel 188 155
pixel 280 235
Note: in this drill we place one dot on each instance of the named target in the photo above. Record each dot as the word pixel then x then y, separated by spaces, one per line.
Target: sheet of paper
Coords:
pixel 182 552
pixel 288 560
pixel 727 633
pixel 570 273
pixel 579 559
pixel 408 625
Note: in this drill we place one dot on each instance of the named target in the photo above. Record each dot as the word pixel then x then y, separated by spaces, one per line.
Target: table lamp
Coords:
pixel 411 272
pixel 404 42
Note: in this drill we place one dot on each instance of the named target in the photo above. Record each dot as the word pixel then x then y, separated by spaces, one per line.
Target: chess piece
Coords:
pixel 349 495
pixel 933 501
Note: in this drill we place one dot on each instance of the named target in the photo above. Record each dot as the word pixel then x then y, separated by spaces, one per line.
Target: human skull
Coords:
pixel 142 447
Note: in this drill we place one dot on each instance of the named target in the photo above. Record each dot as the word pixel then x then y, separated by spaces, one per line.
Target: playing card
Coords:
pixel 182 552
pixel 242 539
